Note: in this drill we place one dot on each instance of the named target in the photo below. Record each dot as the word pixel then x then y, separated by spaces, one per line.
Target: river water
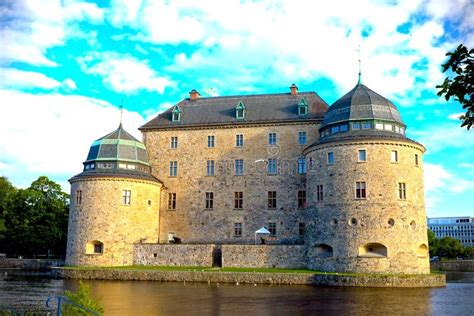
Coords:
pixel 28 292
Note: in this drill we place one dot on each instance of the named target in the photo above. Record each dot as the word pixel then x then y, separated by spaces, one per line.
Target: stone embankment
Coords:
pixel 29 264
pixel 453 266
pixel 403 281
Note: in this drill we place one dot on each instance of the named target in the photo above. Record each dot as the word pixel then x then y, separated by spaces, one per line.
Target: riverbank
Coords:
pixel 251 276
pixel 29 264
pixel 453 266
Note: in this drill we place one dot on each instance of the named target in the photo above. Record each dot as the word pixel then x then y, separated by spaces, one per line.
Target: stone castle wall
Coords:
pixel 173 255
pixel 191 221
pixel 346 224
pixel 264 256
pixel 103 217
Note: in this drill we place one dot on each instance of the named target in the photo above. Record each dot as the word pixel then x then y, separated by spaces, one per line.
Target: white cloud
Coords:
pixel 152 113
pixel 54 137
pixel 26 79
pixel 124 73
pixel 447 136
pixel 455 116
pixel 69 83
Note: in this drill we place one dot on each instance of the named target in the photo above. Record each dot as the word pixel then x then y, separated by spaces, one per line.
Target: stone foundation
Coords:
pixel 173 255
pixel 263 256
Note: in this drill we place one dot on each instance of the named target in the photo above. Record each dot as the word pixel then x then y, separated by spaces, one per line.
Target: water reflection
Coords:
pixel 155 298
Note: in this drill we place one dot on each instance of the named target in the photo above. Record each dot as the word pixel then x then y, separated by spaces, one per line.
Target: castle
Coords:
pixel 336 188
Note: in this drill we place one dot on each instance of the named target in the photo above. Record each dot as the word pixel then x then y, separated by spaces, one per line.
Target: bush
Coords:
pixel 84 298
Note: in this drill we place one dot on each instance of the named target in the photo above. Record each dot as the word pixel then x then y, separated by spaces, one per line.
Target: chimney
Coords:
pixel 294 89
pixel 193 95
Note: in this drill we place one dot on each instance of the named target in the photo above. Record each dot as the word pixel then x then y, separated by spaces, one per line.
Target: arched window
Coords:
pixel 240 111
pixel 176 114
pixel 323 250
pixel 373 250
pixel 422 251
pixel 302 107
pixel 95 247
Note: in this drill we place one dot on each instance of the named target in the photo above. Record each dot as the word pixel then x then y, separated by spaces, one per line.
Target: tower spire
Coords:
pixel 121 112
pixel 359 81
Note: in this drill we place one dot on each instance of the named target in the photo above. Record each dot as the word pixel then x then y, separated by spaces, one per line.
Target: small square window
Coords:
pixel 366 125
pixel 344 128
pixel 237 229
pixel 355 126
pixel 362 155
pixel 334 129
pixel 330 158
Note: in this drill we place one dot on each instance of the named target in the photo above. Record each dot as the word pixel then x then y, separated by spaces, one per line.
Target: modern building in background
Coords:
pixel 461 228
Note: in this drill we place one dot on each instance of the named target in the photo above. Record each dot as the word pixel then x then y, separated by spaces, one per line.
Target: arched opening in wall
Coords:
pixel 422 251
pixel 95 247
pixel 323 250
pixel 373 250
pixel 413 224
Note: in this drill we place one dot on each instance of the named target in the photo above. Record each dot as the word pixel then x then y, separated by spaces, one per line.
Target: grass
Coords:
pixel 250 270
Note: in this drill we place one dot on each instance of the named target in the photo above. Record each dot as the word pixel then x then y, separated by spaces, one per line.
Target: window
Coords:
pixel 402 191
pixel 416 160
pixel 302 138
pixel 301 166
pixel 302 107
pixel 394 156
pixel 171 201
pixel 301 229
pixel 239 167
pixel 176 114
pixel 366 125
pixel 240 111
pixel 272 199
pixel 330 158
pixel 361 190
pixel 239 140
pixel 344 128
pixel 126 197
pixel 94 247
pixel 355 126
pixel 301 199
pixel 209 200
pixel 210 141
pixel 210 168
pixel 238 200
pixel 98 248
pixel 319 192
pixel 237 229
pixel 272 138
pixel 362 155
pixel 78 197
pixel 388 127
pixel 272 229
pixel 272 166
pixel 379 126
pixel 335 129
pixel 173 168
pixel 174 142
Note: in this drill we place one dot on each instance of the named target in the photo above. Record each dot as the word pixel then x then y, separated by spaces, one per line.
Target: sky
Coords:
pixel 67 66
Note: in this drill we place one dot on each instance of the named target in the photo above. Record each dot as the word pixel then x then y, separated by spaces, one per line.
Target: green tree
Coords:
pixel 461 86
pixel 7 194
pixel 433 243
pixel 83 297
pixel 450 248
pixel 37 220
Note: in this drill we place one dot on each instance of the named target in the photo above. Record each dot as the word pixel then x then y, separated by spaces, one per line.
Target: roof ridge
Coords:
pixel 250 95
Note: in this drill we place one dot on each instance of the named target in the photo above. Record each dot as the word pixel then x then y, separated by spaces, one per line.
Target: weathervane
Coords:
pixel 121 111
pixel 360 71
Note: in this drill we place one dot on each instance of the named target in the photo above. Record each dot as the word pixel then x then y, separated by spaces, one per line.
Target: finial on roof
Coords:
pixel 360 70
pixel 121 112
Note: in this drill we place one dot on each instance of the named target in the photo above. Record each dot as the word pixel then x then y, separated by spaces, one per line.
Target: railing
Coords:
pixel 64 300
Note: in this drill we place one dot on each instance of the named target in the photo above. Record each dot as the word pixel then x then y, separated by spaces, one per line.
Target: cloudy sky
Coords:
pixel 65 67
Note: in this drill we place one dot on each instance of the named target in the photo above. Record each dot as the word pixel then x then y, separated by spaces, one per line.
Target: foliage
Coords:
pixel 461 86
pixel 84 298
pixel 448 247
pixel 34 219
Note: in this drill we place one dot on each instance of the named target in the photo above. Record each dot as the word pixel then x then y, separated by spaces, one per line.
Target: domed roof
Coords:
pixel 118 146
pixel 361 103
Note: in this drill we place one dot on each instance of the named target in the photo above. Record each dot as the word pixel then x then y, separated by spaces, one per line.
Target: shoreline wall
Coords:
pixel 453 266
pixel 29 264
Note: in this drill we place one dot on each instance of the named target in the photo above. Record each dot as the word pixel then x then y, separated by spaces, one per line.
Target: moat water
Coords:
pixel 21 292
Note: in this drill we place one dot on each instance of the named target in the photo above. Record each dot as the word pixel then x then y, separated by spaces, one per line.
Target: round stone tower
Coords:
pixel 365 190
pixel 114 203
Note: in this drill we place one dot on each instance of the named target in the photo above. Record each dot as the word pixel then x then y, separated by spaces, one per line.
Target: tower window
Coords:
pixel 301 166
pixel 302 138
pixel 272 166
pixel 362 155
pixel 394 156
pixel 272 138
pixel 174 142
pixel 126 197
pixel 237 229
pixel 330 158
pixel 209 200
pixel 356 126
pixel 173 168
pixel 171 201
pixel 402 191
pixel 272 199
pixel 238 200
pixel 210 168
pixel 239 140
pixel 210 141
pixel 94 247
pixel 416 160
pixel 301 199
pixel 361 190
pixel 319 192
pixel 78 197
pixel 239 167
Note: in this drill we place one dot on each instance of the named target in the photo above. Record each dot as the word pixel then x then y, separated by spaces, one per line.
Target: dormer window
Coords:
pixel 176 114
pixel 302 107
pixel 240 111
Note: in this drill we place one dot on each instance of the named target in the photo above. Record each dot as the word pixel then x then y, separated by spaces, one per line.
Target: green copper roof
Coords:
pixel 118 146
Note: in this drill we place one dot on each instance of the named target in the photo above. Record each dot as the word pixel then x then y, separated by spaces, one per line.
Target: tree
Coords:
pixel 7 194
pixel 450 247
pixel 37 220
pixel 84 298
pixel 461 86
pixel 433 243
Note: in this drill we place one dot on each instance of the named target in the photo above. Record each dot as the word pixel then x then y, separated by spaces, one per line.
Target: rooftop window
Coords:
pixel 240 111
pixel 176 114
pixel 302 107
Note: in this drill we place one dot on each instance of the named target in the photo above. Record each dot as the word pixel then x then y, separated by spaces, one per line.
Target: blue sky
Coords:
pixel 67 65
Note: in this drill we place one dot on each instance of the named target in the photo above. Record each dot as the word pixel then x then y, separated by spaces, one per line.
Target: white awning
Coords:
pixel 263 231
